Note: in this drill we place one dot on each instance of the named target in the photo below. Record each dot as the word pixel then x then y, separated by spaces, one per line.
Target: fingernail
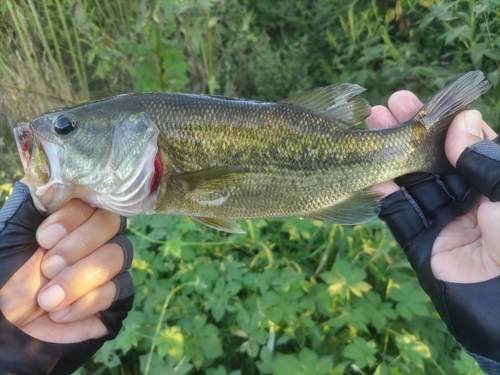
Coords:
pixel 50 236
pixel 59 315
pixel 50 298
pixel 53 265
pixel 473 123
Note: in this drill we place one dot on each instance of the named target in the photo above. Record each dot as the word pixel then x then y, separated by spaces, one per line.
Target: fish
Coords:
pixel 221 159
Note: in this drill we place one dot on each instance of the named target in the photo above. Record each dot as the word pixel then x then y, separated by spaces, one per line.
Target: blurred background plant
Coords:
pixel 291 296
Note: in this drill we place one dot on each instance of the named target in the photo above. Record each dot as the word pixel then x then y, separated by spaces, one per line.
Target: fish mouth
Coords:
pixel 37 158
pixel 25 141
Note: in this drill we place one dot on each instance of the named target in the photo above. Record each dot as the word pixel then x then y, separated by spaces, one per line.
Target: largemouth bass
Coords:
pixel 219 159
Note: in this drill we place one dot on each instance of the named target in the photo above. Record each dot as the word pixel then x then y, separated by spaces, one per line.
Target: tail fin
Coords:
pixel 460 94
pixel 437 114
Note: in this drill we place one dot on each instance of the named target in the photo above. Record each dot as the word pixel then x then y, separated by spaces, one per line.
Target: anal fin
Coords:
pixel 358 208
pixel 220 224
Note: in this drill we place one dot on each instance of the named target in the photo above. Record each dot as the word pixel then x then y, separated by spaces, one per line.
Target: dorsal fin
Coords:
pixel 331 102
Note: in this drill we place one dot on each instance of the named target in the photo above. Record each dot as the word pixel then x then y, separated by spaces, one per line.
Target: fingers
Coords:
pixel 488 217
pixel 43 328
pixel 380 117
pixel 62 222
pixel 17 300
pixel 72 233
pixel 80 263
pixel 86 276
pixel 466 129
pixel 403 105
pixel 91 303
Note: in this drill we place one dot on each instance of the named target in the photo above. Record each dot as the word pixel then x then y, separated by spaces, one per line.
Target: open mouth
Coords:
pixel 32 153
pixel 25 140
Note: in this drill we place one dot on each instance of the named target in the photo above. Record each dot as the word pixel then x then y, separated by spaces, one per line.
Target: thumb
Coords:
pixel 465 130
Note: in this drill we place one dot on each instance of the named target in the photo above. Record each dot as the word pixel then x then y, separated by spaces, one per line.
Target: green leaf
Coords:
pixel 411 349
pixel 169 366
pixel 171 343
pixel 477 53
pixel 411 299
pixel 286 365
pixel 376 311
pixel 493 54
pixel 265 365
pixel 220 370
pixel 466 365
pixel 307 363
pixel 80 15
pixel 211 344
pixel 462 31
pixel 107 356
pixel 344 280
pixel 361 351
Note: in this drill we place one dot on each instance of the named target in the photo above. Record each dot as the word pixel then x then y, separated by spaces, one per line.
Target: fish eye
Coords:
pixel 64 125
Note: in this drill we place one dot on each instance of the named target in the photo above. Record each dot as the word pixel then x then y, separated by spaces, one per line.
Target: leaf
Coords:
pixel 462 31
pixel 307 363
pixel 477 52
pixel 107 356
pixel 169 366
pixel 220 370
pixel 211 344
pixel 222 295
pixel 265 365
pixel 171 343
pixel 80 14
pixel 286 365
pixel 411 349
pixel 493 54
pixel 411 299
pixel 466 365
pixel 494 77
pixel 376 311
pixel 361 351
pixel 357 318
pixel 344 279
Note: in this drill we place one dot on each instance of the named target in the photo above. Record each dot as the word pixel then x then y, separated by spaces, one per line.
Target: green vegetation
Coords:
pixel 290 296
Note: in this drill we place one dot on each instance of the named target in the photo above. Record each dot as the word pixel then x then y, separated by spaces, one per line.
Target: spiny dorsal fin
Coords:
pixel 219 224
pixel 360 207
pixel 331 102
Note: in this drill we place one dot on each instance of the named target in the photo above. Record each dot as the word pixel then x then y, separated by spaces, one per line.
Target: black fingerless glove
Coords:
pixel 417 213
pixel 21 354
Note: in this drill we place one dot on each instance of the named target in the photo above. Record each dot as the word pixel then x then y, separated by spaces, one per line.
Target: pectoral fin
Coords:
pixel 219 224
pixel 358 208
pixel 206 180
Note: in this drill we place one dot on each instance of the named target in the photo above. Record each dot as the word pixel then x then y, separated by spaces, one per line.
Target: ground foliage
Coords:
pixel 290 296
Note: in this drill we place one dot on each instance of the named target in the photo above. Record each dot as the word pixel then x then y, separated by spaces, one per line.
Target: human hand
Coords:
pixel 448 234
pixel 468 248
pixel 75 281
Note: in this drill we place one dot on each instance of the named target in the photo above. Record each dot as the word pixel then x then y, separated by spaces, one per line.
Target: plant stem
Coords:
pixel 160 320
